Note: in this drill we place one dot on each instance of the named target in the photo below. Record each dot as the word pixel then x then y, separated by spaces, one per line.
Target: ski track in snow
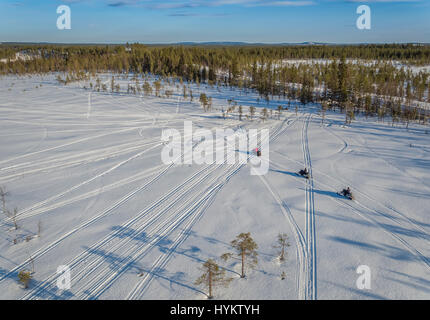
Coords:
pixel 133 222
pixel 40 252
pixel 147 242
pixel 366 215
pixel 74 160
pixel 139 290
pixel 28 211
pixel 402 216
pixel 377 155
pixel 167 215
pixel 175 199
pixel 302 254
pixel 310 233
pixel 66 145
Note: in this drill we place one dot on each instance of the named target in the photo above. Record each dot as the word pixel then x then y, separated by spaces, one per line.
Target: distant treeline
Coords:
pixel 174 59
pixel 352 78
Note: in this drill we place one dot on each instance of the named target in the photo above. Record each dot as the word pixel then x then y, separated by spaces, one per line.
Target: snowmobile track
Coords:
pixel 311 288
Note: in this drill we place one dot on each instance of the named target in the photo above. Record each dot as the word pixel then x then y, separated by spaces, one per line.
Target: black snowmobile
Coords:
pixel 347 193
pixel 304 173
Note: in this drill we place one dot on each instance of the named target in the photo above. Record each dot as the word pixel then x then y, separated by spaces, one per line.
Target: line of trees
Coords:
pixel 350 79
pixel 244 250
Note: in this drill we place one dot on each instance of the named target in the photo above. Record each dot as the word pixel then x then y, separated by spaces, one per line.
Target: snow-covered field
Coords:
pixel 368 63
pixel 86 169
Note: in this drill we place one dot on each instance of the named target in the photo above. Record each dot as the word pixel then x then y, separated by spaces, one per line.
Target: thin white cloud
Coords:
pixel 383 1
pixel 284 4
pixel 177 4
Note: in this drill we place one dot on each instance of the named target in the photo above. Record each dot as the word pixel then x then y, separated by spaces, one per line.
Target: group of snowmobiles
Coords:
pixel 347 193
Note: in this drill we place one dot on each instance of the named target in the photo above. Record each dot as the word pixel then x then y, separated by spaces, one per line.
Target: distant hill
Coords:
pixel 230 43
pixel 210 43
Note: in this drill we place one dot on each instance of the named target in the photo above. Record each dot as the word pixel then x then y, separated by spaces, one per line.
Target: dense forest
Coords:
pixel 375 80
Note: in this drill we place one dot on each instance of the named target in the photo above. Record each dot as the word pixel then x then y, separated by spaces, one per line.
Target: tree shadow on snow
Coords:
pixel 414 282
pixel 389 251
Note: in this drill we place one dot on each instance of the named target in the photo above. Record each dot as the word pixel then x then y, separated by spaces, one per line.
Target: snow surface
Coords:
pixel 88 169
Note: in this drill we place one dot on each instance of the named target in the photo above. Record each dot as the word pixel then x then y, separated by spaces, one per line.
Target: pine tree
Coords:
pixel 212 276
pixel 185 92
pixel 246 249
pixel 282 244
pixel 147 89
pixel 157 85
pixel 13 216
pixel 428 92
pixel 283 275
pixel 264 114
pixel 368 105
pixel 98 84
pixel 324 108
pixel 252 111
pixel 342 77
pixel 210 103
pixel 25 277
pixel 112 84
pixel 349 113
pixel 3 195
pixel 203 100
pixel 306 91
pixel 279 112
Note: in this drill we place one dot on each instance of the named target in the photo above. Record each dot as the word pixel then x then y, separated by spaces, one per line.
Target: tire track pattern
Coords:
pixel 92 276
pixel 310 233
pixel 139 290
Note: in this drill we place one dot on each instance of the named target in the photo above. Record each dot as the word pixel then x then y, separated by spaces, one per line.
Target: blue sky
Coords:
pixel 269 21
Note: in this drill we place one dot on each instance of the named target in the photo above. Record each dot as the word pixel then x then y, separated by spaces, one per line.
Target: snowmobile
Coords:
pixel 304 173
pixel 347 193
